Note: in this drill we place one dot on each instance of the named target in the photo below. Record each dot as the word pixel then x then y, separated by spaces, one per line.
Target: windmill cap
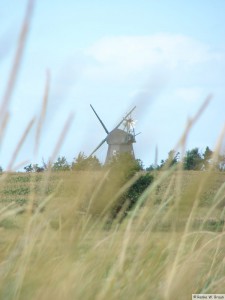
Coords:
pixel 120 137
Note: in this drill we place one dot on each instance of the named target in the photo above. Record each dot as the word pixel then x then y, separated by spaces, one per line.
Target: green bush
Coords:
pixel 129 199
pixel 124 166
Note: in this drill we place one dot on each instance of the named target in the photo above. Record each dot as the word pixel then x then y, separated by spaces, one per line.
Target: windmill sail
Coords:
pixel 103 125
pixel 102 142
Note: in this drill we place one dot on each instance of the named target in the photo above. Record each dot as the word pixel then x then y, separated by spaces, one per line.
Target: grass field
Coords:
pixel 55 242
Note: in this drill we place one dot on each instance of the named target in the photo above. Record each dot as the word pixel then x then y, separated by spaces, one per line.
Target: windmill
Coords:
pixel 118 140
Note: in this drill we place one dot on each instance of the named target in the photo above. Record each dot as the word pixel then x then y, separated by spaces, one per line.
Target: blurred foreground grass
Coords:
pixel 171 244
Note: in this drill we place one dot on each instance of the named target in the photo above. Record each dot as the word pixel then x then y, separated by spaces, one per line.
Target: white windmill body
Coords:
pixel 118 140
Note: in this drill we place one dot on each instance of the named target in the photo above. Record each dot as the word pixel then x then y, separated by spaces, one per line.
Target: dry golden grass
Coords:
pixel 162 250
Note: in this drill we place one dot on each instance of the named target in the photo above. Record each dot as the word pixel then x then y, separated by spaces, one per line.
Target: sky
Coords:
pixel 164 57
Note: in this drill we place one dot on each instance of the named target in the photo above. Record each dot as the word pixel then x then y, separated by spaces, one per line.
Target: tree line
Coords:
pixel 193 159
pixel 84 163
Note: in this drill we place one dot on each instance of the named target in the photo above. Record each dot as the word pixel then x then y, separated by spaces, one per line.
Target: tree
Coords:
pixel 38 169
pixel 33 168
pixel 152 167
pixel 29 168
pixel 193 160
pixel 84 163
pixel 221 162
pixel 207 157
pixel 124 165
pixel 47 166
pixel 61 164
pixel 172 159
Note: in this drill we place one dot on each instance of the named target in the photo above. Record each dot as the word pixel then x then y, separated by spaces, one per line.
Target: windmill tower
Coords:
pixel 118 140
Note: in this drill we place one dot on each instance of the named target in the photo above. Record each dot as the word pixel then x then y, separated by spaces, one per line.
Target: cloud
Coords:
pixel 189 94
pixel 127 55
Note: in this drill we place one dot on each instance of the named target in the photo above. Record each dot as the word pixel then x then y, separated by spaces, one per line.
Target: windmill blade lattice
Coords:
pixel 120 123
